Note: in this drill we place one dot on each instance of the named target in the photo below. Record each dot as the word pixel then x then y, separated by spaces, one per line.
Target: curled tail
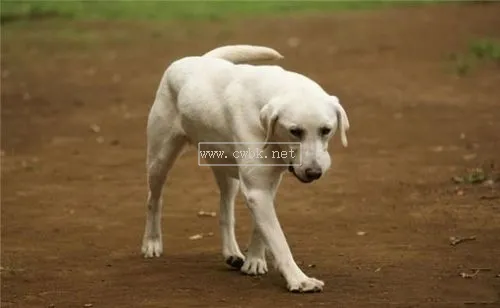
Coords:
pixel 244 53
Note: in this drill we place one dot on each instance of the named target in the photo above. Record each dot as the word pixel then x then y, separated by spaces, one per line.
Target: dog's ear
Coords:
pixel 268 118
pixel 342 120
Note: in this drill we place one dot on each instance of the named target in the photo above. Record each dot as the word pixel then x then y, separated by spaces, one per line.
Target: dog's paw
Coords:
pixel 152 247
pixel 254 266
pixel 235 261
pixel 306 285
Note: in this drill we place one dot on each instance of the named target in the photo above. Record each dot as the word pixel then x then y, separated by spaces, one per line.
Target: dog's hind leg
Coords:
pixel 228 187
pixel 165 142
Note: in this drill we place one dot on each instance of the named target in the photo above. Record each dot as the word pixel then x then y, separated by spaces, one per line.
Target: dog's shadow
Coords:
pixel 190 271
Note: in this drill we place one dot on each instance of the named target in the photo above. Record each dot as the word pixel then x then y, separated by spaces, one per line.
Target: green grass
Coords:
pixel 487 49
pixel 12 10
pixel 480 50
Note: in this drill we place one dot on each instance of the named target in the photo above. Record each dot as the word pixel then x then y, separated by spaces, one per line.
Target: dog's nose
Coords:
pixel 313 174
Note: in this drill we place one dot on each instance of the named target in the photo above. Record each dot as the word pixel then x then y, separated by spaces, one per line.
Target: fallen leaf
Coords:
pixel 196 237
pixel 468 276
pixel 455 240
pixel 206 214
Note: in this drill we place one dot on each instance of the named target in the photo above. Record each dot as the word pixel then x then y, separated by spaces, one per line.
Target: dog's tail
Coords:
pixel 244 53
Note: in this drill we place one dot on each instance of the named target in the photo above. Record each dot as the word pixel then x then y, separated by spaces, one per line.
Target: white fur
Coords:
pixel 209 98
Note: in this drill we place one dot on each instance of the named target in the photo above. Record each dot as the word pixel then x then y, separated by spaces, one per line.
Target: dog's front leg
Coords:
pixel 261 205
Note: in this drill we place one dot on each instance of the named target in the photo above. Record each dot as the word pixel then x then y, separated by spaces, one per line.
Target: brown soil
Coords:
pixel 73 208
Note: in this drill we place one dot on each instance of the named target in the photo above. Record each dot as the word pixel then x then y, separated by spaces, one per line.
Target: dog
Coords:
pixel 220 97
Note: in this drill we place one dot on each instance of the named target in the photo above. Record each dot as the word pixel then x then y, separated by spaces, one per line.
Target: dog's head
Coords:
pixel 312 123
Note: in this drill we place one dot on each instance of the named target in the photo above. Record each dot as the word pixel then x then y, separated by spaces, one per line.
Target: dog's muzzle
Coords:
pixel 311 174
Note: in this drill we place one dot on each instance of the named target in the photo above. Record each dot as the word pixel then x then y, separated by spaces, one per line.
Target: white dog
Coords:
pixel 215 98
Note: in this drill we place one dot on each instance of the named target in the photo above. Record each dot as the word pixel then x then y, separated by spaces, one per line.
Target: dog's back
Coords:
pixel 215 64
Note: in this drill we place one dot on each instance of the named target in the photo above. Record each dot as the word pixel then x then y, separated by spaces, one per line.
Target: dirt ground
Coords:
pixel 73 200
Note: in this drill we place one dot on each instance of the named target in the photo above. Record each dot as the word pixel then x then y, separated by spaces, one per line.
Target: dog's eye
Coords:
pixel 296 132
pixel 325 131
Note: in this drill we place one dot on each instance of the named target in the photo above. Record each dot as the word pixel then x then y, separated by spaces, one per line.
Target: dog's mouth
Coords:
pixel 292 170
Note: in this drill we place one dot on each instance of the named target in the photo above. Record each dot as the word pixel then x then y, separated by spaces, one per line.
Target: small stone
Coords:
pixel 293 42
pixel 100 139
pixel 95 128
pixel 88 305
pixel 469 156
pixel 489 183
pixel 311 265
pixel 91 71
pixel 361 233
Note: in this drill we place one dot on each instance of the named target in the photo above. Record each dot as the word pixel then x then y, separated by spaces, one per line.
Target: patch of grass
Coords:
pixel 14 10
pixel 475 176
pixel 480 50
pixel 487 49
pixel 462 64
